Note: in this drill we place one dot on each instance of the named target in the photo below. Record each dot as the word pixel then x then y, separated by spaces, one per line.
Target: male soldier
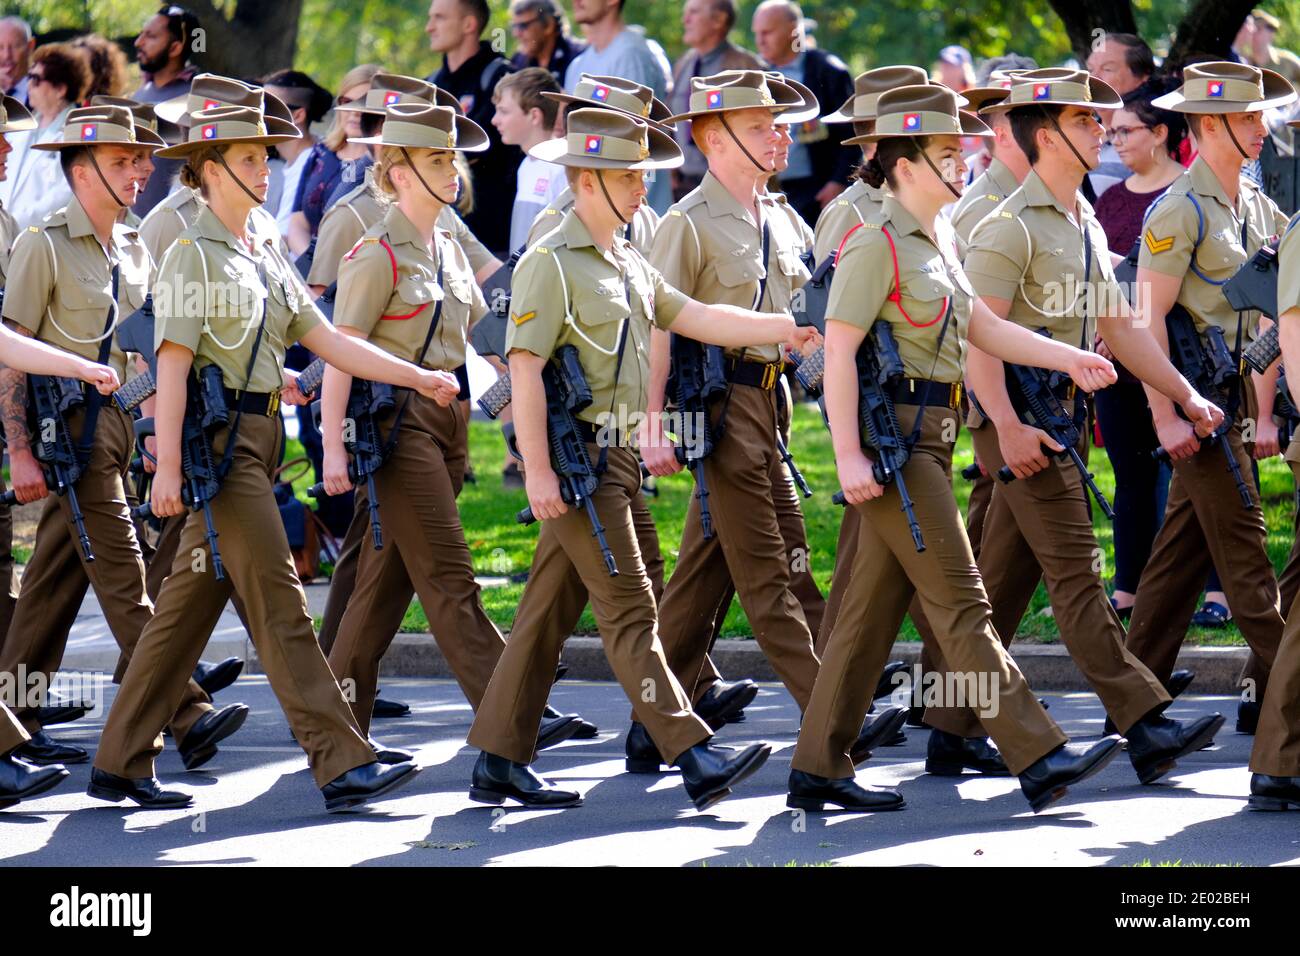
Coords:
pixel 1041 240
pixel 1207 224
pixel 82 271
pixel 585 287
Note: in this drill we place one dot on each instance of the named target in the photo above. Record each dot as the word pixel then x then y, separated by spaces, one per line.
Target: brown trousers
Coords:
pixel 56 579
pixel 1277 740
pixel 1044 522
pixel 12 735
pixel 424 547
pixel 747 548
pixel 258 565
pixel 506 723
pixel 1254 676
pixel 886 572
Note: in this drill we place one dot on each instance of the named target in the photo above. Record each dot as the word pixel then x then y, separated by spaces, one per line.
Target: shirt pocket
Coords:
pixel 599 318
pixel 1220 253
pixel 413 293
pixel 923 297
pixel 83 308
pixel 738 272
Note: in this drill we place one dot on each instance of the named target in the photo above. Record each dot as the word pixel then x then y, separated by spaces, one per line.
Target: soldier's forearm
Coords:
pixel 13 402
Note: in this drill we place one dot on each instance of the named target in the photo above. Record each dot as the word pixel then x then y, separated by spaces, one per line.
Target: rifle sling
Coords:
pixel 228 457
pixel 424 351
pixel 95 401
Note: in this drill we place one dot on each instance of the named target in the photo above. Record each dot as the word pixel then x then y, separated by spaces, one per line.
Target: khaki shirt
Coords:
pixel 218 321
pixel 852 207
pixel 8 233
pixel 708 247
pixel 806 236
pixel 1031 252
pixel 395 312
pixel 928 274
pixel 601 291
pixel 345 222
pixel 640 231
pixel 177 212
pixel 1170 234
pixel 65 296
pixel 979 199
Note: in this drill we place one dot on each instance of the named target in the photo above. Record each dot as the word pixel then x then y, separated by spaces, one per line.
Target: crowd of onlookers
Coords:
pixel 1146 148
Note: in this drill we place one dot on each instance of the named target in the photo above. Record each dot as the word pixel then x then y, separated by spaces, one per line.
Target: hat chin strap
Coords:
pixel 1051 118
pixel 251 195
pixel 1232 136
pixel 600 178
pixel 427 188
pixel 929 162
pixel 748 155
pixel 112 192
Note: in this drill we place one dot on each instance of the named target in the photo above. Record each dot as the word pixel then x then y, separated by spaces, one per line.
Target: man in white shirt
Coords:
pixel 308 102
pixel 524 118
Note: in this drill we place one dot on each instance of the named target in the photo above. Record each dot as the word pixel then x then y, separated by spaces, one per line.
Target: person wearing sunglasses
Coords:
pixel 162 50
pixel 541 35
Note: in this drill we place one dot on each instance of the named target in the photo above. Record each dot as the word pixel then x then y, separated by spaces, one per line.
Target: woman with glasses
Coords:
pixel 57 81
pixel 1147 140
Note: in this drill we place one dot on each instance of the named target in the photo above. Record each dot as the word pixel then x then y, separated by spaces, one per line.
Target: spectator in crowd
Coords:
pixel 820 167
pixel 993 73
pixel 470 71
pixel 705 25
pixel 524 118
pixel 1125 62
pixel 308 101
pixel 16 46
pixel 162 50
pixel 1147 140
pixel 1262 51
pixel 956 69
pixel 617 49
pixel 541 32
pixel 331 161
pixel 36 187
pixel 109 68
pixel 1240 50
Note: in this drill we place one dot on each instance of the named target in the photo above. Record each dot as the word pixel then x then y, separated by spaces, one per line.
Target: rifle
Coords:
pixel 1208 364
pixel 369 403
pixel 1285 409
pixel 205 413
pixel 1033 394
pixel 51 398
pixel 568 393
pixel 696 377
pixel 1254 288
pixel 880 369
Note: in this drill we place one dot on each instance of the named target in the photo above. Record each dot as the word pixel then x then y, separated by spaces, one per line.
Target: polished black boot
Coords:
pixel 1156 742
pixel 146 791
pixel 586 729
pixel 384 709
pixel 200 744
pixel 1274 793
pixel 642 754
pixel 948 755
pixel 496 778
pixel 886 685
pixel 44 751
pixel 20 780
pixel 1049 778
pixel 724 700
pixel 877 730
pixel 61 710
pixel 710 772
pixel 809 792
pixel 389 755
pixel 217 677
pixel 556 730
pixel 1247 716
pixel 365 783
pixel 1177 683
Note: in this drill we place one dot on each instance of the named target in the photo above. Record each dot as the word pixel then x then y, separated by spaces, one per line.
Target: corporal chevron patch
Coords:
pixel 1156 246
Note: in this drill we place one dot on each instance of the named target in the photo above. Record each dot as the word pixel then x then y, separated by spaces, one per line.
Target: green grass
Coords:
pixel 501 547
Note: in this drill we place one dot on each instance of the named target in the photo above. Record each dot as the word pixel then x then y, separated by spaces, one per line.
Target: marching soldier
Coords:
pixel 900 270
pixel 252 307
pixel 1042 239
pixel 1205 226
pixel 421 316
pixel 585 287
pixel 82 274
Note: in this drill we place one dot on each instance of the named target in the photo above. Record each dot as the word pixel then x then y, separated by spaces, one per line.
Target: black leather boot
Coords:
pixel 146 791
pixel 1274 793
pixel 586 729
pixel 1049 778
pixel 200 744
pixel 20 780
pixel 809 792
pixel 217 677
pixel 365 783
pixel 710 772
pixel 1247 716
pixel 496 778
pixel 1156 742
pixel 948 755
pixel 886 685
pixel 642 754
pixel 389 755
pixel 877 730
pixel 724 700
pixel 44 751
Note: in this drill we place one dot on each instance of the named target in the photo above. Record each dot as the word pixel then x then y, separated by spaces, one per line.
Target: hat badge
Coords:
pixel 209 104
pixel 1042 91
pixel 391 97
pixel 911 121
pixel 643 150
pixel 594 144
pixel 1214 88
pixel 600 93
pixel 713 99
pixel 209 132
pixel 89 132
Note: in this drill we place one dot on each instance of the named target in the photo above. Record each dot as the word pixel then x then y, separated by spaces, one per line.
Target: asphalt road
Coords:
pixel 257 805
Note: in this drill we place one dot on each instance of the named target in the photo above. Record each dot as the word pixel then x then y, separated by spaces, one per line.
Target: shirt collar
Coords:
pixel 720 201
pixel 1002 176
pixel 210 227
pixel 1207 184
pixel 1037 194
pixel 77 220
pixel 576 236
pixel 904 222
pixel 400 228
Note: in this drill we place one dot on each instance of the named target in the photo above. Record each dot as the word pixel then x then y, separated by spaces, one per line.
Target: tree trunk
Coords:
pixel 261 37
pixel 1085 22
pixel 1208 28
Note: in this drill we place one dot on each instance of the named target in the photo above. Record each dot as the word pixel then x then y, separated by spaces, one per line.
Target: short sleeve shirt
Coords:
pixel 8 233
pixel 980 198
pixel 177 212
pixel 851 208
pixel 566 291
pixel 341 228
pixel 389 289
pixel 930 280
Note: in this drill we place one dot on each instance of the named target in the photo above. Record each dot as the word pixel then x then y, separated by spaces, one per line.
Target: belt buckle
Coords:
pixel 954 395
pixel 769 375
pixel 273 404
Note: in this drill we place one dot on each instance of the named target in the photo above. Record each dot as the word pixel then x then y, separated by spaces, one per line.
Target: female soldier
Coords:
pixel 227 298
pixel 409 289
pixel 895 270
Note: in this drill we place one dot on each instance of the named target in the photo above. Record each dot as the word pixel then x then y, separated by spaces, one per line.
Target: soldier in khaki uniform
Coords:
pixel 930 307
pixel 1205 226
pixel 72 264
pixel 422 317
pixel 1043 238
pixel 586 287
pixel 251 307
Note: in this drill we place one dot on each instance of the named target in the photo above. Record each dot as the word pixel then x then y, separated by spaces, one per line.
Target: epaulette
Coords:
pixel 185 242
pixel 550 211
pixel 542 250
pixel 993 197
pixel 1006 215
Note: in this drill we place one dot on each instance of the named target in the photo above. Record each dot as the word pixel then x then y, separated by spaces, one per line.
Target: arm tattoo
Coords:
pixel 13 401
